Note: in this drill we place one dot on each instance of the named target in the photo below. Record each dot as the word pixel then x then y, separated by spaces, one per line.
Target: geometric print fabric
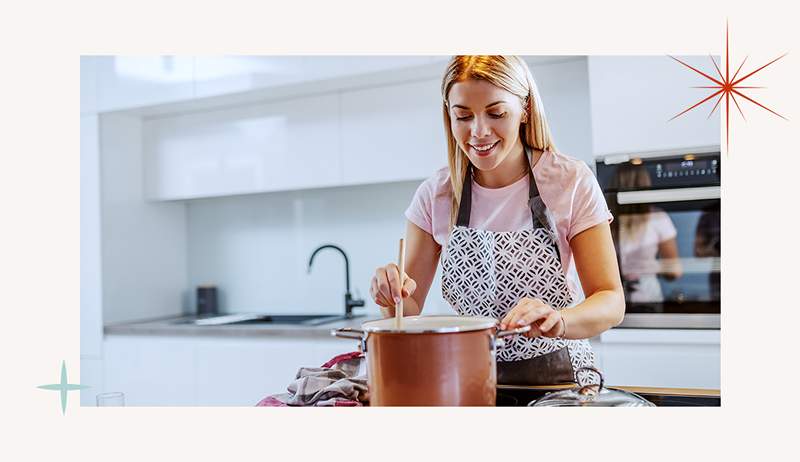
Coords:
pixel 485 273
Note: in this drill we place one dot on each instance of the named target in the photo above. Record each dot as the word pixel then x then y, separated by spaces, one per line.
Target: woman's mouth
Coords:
pixel 483 150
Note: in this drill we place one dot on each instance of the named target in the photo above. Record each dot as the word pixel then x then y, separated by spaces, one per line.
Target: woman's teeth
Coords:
pixel 484 147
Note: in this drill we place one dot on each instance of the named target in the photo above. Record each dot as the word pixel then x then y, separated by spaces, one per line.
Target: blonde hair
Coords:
pixel 633 218
pixel 510 73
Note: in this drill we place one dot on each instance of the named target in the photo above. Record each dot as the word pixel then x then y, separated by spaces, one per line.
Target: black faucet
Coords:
pixel 349 301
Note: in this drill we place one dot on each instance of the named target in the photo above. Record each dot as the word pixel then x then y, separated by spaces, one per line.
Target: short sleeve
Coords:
pixel 420 210
pixel 665 229
pixel 589 206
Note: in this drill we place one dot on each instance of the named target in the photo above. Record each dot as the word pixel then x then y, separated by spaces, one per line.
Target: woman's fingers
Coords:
pixel 393 275
pixel 384 285
pixel 533 310
pixel 409 286
pixel 552 321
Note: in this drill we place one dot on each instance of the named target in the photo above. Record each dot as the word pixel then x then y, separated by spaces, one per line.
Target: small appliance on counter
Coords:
pixel 207 300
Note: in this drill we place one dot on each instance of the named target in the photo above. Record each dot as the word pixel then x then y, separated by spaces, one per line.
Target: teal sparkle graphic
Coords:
pixel 63 387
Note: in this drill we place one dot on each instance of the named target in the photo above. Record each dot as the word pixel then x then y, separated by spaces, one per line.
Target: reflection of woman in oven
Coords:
pixel 646 241
pixel 707 243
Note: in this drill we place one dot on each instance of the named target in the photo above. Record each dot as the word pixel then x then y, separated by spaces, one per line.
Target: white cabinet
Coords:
pixel 392 133
pixel 660 357
pixel 150 371
pixel 220 75
pixel 209 371
pixel 633 98
pixel 268 147
pixel 125 82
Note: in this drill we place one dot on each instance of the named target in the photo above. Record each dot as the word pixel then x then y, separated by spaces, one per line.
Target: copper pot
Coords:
pixel 431 360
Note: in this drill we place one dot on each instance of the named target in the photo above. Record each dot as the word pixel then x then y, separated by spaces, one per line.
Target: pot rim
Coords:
pixel 387 325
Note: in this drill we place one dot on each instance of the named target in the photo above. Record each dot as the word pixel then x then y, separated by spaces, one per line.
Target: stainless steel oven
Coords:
pixel 666 229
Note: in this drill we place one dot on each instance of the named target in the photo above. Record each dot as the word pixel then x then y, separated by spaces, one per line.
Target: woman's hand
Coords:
pixel 385 287
pixel 543 319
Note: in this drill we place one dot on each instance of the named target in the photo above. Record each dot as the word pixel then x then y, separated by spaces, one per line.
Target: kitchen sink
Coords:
pixel 253 318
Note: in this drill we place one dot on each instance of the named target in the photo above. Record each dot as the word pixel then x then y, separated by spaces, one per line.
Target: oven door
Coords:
pixel 668 246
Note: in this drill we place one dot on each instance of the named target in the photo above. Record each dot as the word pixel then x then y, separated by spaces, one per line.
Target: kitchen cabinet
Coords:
pixel 247 149
pixel 660 357
pixel 633 98
pixel 221 75
pixel 392 133
pixel 209 371
pixel 125 82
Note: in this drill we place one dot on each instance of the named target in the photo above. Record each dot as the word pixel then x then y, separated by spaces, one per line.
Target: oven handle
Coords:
pixel 668 195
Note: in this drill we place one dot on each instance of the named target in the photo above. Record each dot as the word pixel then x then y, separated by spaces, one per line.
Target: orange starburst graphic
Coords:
pixel 727 87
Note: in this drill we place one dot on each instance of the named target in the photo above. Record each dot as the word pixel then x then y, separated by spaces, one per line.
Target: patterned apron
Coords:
pixel 485 273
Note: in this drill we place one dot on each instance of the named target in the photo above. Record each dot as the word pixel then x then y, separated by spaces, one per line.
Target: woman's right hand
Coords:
pixel 385 287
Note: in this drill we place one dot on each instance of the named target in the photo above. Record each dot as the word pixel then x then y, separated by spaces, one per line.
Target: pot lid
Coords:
pixel 591 395
pixel 431 324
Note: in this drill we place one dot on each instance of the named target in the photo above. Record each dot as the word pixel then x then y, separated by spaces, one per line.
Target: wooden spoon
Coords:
pixel 401 262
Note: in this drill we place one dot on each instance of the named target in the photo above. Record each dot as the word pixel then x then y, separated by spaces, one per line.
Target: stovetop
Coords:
pixel 521 396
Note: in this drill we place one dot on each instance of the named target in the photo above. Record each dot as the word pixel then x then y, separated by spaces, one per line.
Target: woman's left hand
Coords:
pixel 543 319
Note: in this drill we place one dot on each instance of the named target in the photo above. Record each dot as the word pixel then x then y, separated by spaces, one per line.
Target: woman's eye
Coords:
pixel 498 116
pixel 463 118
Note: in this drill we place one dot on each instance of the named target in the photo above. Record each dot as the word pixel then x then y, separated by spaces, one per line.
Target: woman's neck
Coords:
pixel 511 169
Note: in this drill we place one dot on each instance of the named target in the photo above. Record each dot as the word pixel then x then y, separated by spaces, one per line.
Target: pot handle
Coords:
pixel 590 369
pixel 352 334
pixel 348 332
pixel 518 330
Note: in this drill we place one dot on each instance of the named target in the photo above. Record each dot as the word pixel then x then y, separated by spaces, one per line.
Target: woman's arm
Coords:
pixel 670 263
pixel 596 262
pixel 422 256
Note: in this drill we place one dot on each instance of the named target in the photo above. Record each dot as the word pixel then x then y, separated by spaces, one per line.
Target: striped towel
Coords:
pixel 335 383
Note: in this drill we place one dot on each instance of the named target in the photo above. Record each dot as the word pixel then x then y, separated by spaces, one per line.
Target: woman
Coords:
pixel 512 220
pixel 647 240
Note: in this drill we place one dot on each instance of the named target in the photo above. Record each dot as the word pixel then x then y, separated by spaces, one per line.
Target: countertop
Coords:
pixel 182 325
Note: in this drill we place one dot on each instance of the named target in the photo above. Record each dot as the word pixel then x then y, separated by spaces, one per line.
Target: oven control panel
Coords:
pixel 679 171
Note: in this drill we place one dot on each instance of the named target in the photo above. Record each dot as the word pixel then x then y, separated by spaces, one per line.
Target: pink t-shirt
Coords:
pixel 567 187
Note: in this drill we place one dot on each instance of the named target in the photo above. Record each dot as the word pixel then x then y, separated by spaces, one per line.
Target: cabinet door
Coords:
pixel 392 133
pixel 661 358
pixel 220 75
pixel 248 149
pixel 150 370
pixel 633 98
pixel 241 372
pixel 125 82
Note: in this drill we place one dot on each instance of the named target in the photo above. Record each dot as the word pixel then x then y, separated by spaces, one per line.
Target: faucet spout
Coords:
pixel 346 263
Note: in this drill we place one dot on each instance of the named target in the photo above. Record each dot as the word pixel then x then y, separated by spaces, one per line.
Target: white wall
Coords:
pixel 255 248
pixel 143 244
pixel 564 88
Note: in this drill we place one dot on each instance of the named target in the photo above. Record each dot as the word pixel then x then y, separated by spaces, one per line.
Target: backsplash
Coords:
pixel 255 248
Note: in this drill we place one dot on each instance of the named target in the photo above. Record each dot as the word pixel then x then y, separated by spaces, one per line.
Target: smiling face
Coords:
pixel 485 121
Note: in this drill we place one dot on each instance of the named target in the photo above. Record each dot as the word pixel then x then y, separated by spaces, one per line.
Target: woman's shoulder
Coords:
pixel 561 169
pixel 437 184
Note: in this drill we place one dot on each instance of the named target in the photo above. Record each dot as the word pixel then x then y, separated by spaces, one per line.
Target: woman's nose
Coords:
pixel 479 128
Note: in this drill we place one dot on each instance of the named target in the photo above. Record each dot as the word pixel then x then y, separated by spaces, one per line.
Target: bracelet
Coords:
pixel 564 323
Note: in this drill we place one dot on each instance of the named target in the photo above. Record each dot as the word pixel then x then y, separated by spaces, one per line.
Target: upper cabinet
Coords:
pixel 125 82
pixel 392 133
pixel 247 149
pixel 115 83
pixel 220 75
pixel 633 98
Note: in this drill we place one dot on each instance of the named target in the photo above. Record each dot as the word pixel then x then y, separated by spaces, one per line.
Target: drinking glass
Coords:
pixel 114 398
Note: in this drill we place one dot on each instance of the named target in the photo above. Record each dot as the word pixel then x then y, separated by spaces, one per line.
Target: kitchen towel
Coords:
pixel 335 383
